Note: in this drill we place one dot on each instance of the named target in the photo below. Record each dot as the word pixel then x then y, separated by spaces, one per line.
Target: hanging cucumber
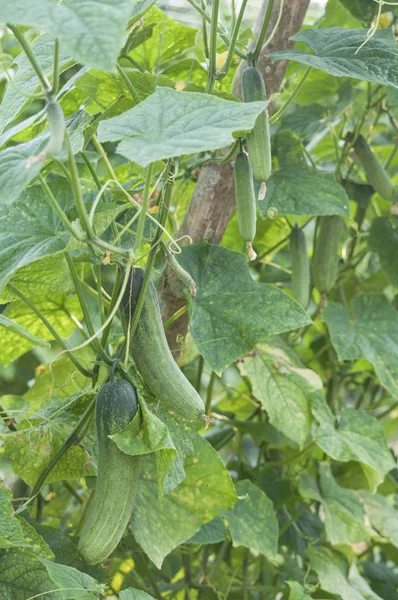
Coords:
pixel 117 478
pixel 300 267
pixel 258 141
pixel 151 353
pixel 245 200
pixel 374 170
pixel 325 260
pixel 56 122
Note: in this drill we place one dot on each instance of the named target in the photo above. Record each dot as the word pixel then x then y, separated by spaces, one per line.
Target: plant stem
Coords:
pixel 58 209
pixel 144 208
pixel 199 373
pixel 209 392
pixel 124 77
pixel 176 316
pixel 55 81
pixel 212 66
pixel 293 520
pixel 91 169
pixel 76 282
pixel 292 96
pixel 31 57
pixel 263 32
pixel 231 50
pixel 54 333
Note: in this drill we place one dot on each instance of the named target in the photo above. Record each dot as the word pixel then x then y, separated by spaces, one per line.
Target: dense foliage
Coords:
pixel 109 114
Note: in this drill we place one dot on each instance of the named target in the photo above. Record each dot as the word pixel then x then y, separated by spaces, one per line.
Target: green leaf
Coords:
pixel 370 331
pixel 21 163
pixel 355 436
pixel 57 310
pixel 22 575
pixel 230 312
pixel 344 515
pixel 168 42
pixel 31 448
pixel 133 594
pixel 336 577
pixel 74 584
pixel 210 533
pixel 383 239
pixel 284 389
pixel 171 123
pixel 26 79
pixel 335 51
pixel 11 533
pixel 297 592
pixel 206 492
pixel 383 515
pixel 252 521
pixel 92 34
pixel 59 379
pixel 22 332
pixel 34 540
pixel 304 191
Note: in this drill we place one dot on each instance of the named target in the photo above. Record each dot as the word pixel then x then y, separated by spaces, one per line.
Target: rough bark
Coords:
pixel 213 200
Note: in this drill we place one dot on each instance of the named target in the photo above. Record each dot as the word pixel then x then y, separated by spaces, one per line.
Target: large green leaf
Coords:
pixel 22 575
pixel 283 388
pixel 90 33
pixel 230 312
pixel 206 492
pixel 26 79
pixel 303 191
pixel 354 436
pixel 74 584
pixel 171 123
pixel 383 515
pixel 336 577
pixel 335 51
pixel 18 167
pixel 383 239
pixel 297 592
pixel 344 515
pixel 369 331
pixel 252 521
pixel 11 533
pixel 57 310
pixel 133 594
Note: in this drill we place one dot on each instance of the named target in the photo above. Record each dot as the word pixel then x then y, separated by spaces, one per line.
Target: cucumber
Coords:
pixel 56 122
pixel 151 353
pixel 117 478
pixel 300 267
pixel 258 141
pixel 245 200
pixel 325 260
pixel 374 170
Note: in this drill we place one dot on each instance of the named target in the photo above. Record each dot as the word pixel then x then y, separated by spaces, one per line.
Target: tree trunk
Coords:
pixel 213 199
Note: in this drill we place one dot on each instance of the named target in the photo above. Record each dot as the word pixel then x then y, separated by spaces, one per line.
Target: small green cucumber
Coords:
pixel 325 259
pixel 300 267
pixel 258 140
pixel 56 122
pixel 374 170
pixel 117 477
pixel 152 356
pixel 245 200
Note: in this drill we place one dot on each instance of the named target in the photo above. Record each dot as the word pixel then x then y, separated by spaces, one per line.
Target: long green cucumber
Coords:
pixel 117 478
pixel 374 170
pixel 245 200
pixel 151 353
pixel 300 267
pixel 258 141
pixel 325 259
pixel 56 122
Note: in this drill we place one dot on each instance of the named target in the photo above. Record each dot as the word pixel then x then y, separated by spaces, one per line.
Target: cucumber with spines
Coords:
pixel 245 200
pixel 374 170
pixel 258 140
pixel 117 474
pixel 56 121
pixel 300 267
pixel 152 356
pixel 325 260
